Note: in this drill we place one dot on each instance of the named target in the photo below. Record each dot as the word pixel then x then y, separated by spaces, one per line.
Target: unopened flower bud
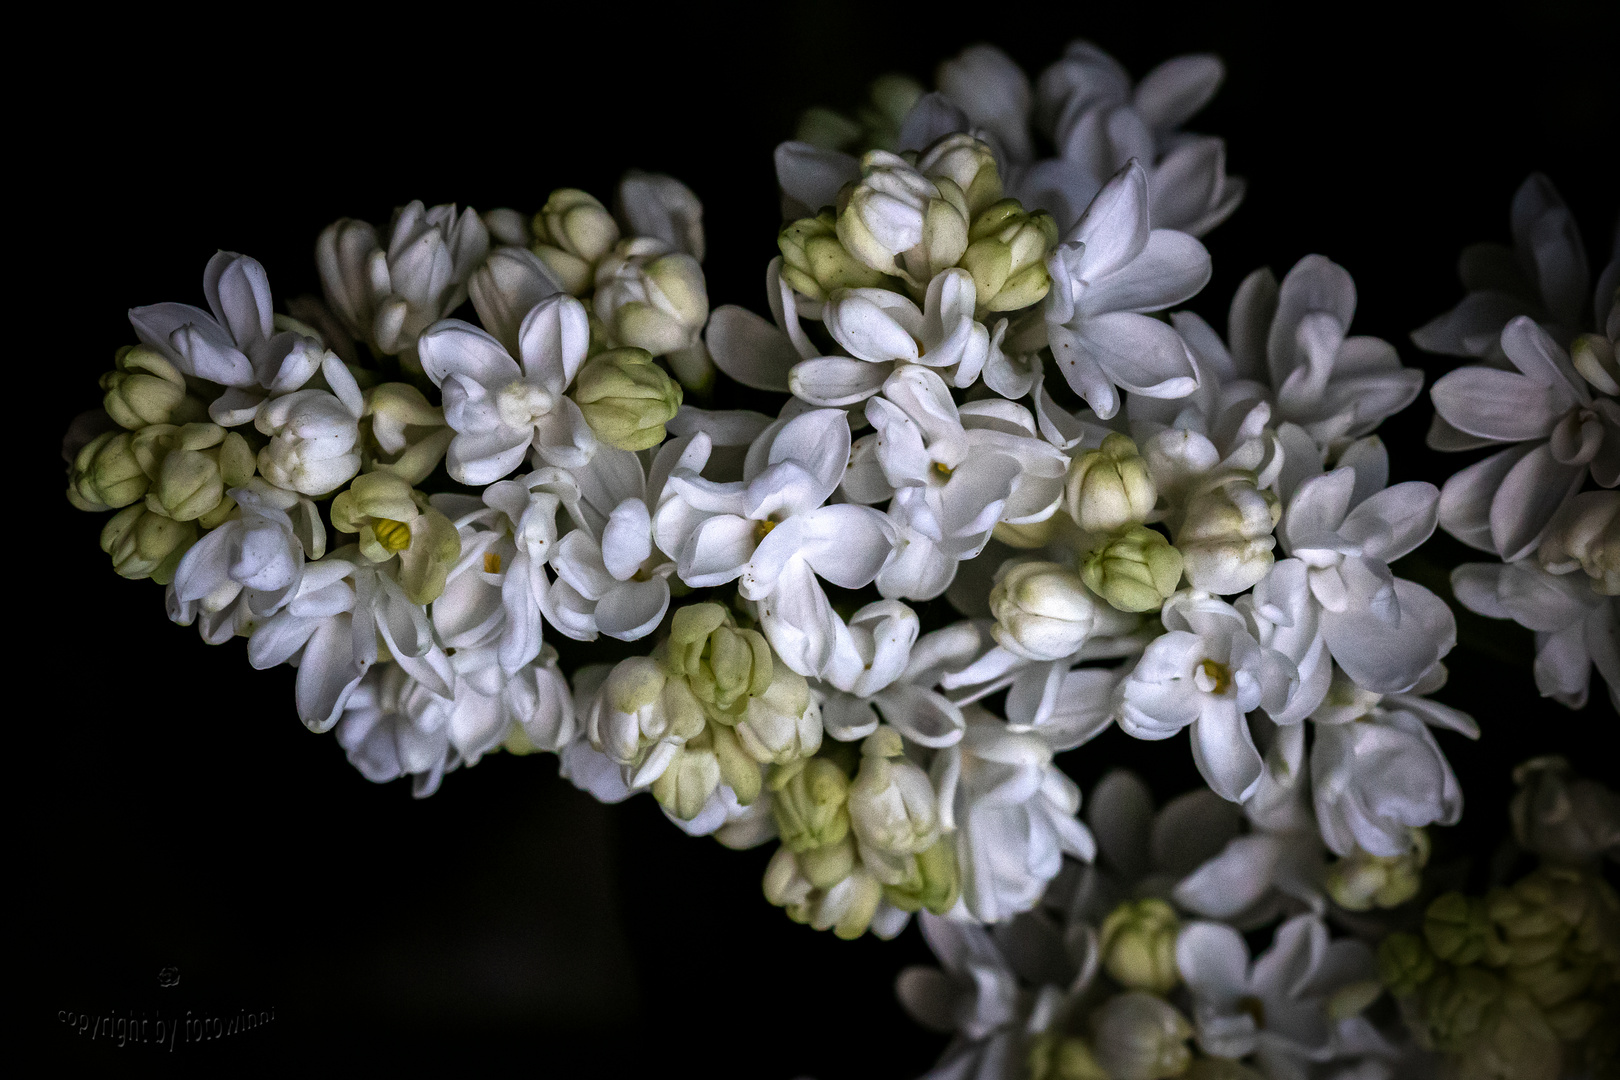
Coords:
pixel 809 800
pixel 815 262
pixel 1459 930
pixel 848 907
pixel 890 100
pixel 930 880
pixel 693 774
pixel 1140 1037
pixel 1054 1056
pixel 1006 254
pixel 784 722
pixel 143 544
pixel 1225 536
pixel 969 164
pixel 1561 817
pixel 106 473
pixel 1405 963
pixel 408 435
pixel 650 297
pixel 1042 610
pixel 1594 357
pixel 572 233
pixel 1558 911
pixel 1138 942
pixel 626 398
pixel 629 722
pixel 1585 535
pixel 891 801
pixel 147 389
pixel 1136 570
pixel 1110 488
pixel 190 483
pixel 1459 1004
pixel 1361 882
pixel 896 211
pixel 723 664
pixel 392 519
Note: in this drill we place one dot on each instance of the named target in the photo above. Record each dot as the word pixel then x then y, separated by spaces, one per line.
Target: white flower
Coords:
pixel 771 530
pixel 1206 671
pixel 891 802
pixel 314 434
pixel 610 575
pixel 1376 771
pixel 651 297
pixel 1043 611
pixel 1111 267
pixel 1278 1007
pixel 258 555
pixel 498 410
pixel 882 330
pixel 506 288
pixel 1013 812
pixel 661 207
pixel 388 295
pixel 1559 427
pixel 379 733
pixel 238 345
pixel 752 351
pixel 640 718
pixel 1385 632
pixel 899 683
pixel 1575 626
pixel 993 92
pixel 1585 535
pixel 973 994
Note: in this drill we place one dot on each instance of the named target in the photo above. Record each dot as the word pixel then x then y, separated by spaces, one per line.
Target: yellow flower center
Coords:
pixel 392 535
pixel 943 469
pixel 763 529
pixel 1219 675
pixel 492 562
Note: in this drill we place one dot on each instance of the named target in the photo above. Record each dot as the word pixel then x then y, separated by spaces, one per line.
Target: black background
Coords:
pixel 171 809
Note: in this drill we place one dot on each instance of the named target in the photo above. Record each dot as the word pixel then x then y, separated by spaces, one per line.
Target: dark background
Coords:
pixel 172 810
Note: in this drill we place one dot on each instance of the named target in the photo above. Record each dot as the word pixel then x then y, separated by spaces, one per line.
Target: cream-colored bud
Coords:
pixel 815 262
pixel 848 907
pixel 1361 882
pixel 1405 963
pixel 1026 536
pixel 891 801
pixel 809 799
pixel 626 398
pixel 1558 913
pixel 629 713
pixel 1042 610
pixel 143 544
pixel 895 210
pixel 693 774
pixel 572 233
pixel 1138 943
pixel 783 722
pixel 190 484
pixel 930 880
pixel 724 664
pixel 147 389
pixel 1225 537
pixel 406 435
pixel 1135 570
pixel 392 519
pixel 1594 357
pixel 969 164
pixel 1140 1037
pixel 649 297
pixel 1110 487
pixel 1006 254
pixel 106 473
pixel 1054 1056
pixel 1458 1006
pixel 944 236
pixel 1585 535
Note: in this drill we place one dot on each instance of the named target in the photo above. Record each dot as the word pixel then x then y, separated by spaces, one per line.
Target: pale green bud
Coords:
pixel 1585 535
pixel 891 99
pixel 784 722
pixel 1494 1036
pixel 690 778
pixel 1054 1056
pixel 1225 537
pixel 1458 1003
pixel 650 297
pixel 1140 1037
pixel 1361 882
pixel 891 801
pixel 896 211
pixel 969 164
pixel 930 880
pixel 106 473
pixel 1138 942
pixel 1558 912
pixel 814 260
pixel 723 664
pixel 572 233
pixel 1134 571
pixel 641 716
pixel 147 389
pixel 143 544
pixel 1026 537
pixel 392 519
pixel 1006 254
pixel 1594 357
pixel 1110 487
pixel 1459 930
pixel 847 908
pixel 821 126
pixel 626 398
pixel 407 434
pixel 944 236
pixel 809 801
pixel 191 484
pixel 1405 963
pixel 1042 610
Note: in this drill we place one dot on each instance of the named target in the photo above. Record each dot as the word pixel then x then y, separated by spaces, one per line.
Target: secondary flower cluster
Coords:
pixel 1546 390
pixel 1183 532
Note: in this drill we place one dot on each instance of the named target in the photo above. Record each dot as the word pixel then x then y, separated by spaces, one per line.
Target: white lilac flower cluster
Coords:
pixel 1139 966
pixel 1544 394
pixel 1183 532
